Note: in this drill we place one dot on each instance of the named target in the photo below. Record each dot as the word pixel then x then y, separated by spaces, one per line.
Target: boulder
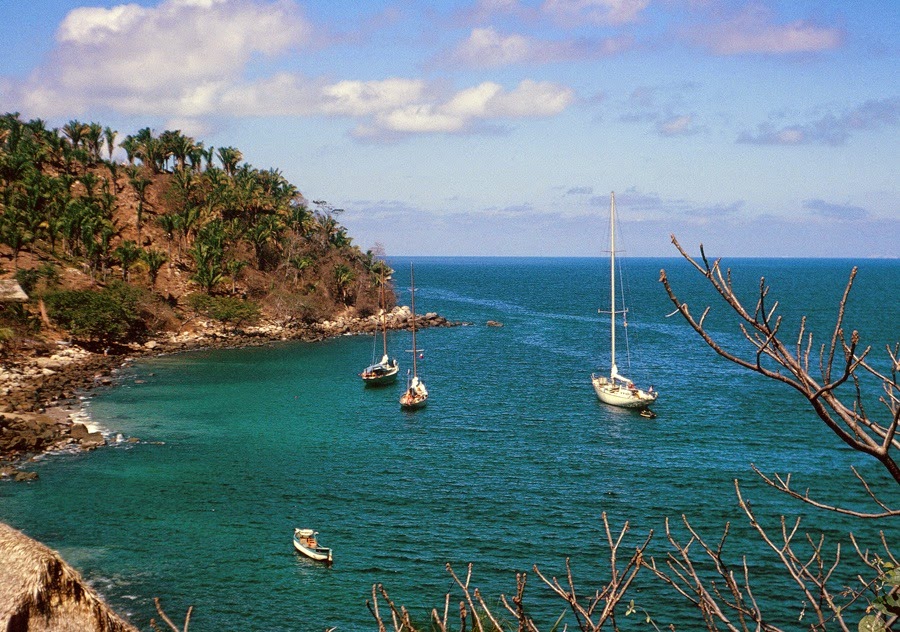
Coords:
pixel 93 440
pixel 79 432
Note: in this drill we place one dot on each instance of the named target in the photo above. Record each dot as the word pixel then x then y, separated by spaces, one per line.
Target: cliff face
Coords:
pixel 39 592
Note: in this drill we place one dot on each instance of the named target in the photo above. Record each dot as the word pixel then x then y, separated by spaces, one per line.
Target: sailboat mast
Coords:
pixel 612 283
pixel 412 281
pixel 383 316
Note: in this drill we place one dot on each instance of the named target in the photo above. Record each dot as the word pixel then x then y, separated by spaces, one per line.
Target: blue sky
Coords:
pixel 499 127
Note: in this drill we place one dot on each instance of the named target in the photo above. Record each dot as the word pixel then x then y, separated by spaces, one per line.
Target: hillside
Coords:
pixel 112 251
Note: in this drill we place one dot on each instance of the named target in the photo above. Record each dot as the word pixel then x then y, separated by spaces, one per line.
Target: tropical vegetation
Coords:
pixel 172 217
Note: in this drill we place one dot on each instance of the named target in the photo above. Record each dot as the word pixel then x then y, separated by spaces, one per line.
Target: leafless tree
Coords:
pixel 730 602
pixel 840 362
pixel 168 621
pixel 591 610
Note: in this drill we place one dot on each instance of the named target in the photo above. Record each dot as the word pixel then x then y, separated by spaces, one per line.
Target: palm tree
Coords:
pixel 130 145
pixel 233 267
pixel 230 157
pixel 209 266
pixel 209 254
pixel 335 234
pixel 195 156
pixel 14 233
pixel 93 138
pixel 299 218
pixel 89 181
pixel 96 232
pixel 149 150
pixel 181 147
pixel 140 185
pixel 260 234
pixel 154 260
pixel 344 276
pixel 113 175
pixel 168 143
pixel 127 253
pixel 209 154
pixel 74 130
pixel 57 202
pixel 109 135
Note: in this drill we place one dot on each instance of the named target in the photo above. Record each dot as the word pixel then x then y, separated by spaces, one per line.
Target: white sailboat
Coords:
pixel 616 389
pixel 416 395
pixel 385 371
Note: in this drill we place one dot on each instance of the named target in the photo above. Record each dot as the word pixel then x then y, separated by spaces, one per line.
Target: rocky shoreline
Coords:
pixel 40 387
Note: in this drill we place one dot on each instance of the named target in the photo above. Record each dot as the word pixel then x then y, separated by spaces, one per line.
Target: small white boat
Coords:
pixel 618 390
pixel 416 395
pixel 305 542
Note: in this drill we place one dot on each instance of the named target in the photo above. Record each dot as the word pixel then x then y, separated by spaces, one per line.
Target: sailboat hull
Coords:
pixel 380 374
pixel 615 394
pixel 413 402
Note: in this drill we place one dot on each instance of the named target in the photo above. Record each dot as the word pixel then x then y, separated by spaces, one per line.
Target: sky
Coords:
pixel 759 128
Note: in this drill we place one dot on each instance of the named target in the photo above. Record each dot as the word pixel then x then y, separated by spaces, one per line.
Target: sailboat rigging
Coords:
pixel 384 371
pixel 416 395
pixel 618 390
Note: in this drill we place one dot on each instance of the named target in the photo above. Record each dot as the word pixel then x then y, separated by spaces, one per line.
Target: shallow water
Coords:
pixel 511 464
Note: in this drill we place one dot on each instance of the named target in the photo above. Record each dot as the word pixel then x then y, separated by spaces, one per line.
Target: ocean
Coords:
pixel 512 463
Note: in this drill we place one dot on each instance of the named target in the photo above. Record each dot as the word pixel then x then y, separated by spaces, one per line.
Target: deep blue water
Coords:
pixel 511 464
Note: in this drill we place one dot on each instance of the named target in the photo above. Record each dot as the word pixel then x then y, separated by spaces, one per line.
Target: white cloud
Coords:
pixel 752 31
pixel 396 106
pixel 88 25
pixel 151 60
pixel 597 12
pixel 531 99
pixel 829 129
pixel 467 108
pixel 678 125
pixel 420 119
pixel 186 60
pixel 361 98
pixel 486 48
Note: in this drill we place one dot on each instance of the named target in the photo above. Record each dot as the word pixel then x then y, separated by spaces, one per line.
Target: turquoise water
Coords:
pixel 511 464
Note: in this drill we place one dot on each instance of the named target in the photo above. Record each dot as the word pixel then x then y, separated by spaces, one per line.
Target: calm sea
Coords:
pixel 510 465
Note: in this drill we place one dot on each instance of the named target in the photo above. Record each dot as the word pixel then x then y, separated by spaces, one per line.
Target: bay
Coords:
pixel 511 464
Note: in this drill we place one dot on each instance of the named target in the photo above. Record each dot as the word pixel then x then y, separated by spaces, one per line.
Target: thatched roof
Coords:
pixel 39 592
pixel 11 292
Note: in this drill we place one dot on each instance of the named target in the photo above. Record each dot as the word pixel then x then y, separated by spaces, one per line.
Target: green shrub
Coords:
pixel 113 314
pixel 29 278
pixel 19 319
pixel 226 309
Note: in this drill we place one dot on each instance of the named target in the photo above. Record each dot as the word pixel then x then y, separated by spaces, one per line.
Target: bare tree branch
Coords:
pixel 783 484
pixel 761 329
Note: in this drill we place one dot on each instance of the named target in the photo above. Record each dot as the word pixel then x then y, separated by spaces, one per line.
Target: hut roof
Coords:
pixel 11 292
pixel 39 592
